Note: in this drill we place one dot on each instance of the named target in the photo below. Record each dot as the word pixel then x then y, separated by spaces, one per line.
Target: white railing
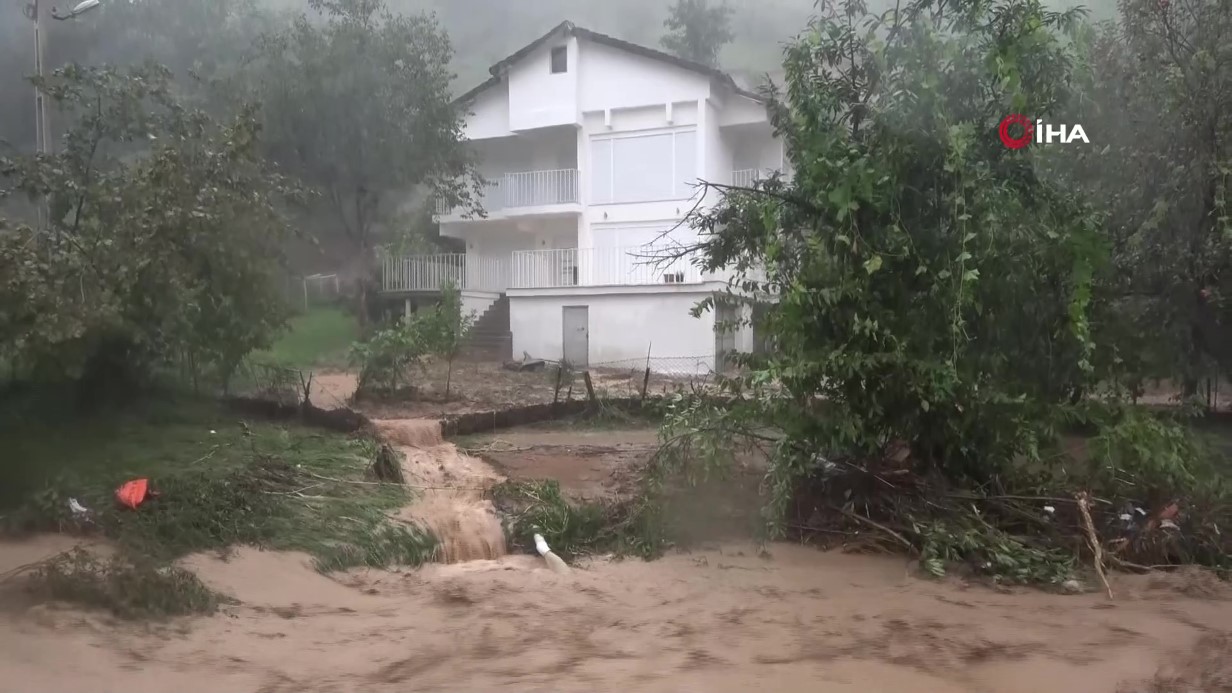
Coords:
pixel 642 265
pixel 432 272
pixel 526 189
pixel 745 177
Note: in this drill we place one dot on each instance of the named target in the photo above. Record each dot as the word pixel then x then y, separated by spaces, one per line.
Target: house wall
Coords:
pixel 754 147
pixel 538 98
pixel 623 325
pixel 613 78
pixel 718 164
pixel 635 121
pixel 740 110
pixel 489 114
pixel 544 150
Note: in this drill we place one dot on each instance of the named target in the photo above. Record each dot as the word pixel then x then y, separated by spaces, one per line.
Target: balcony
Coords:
pixel 746 177
pixel 510 192
pixel 633 266
pixel 430 273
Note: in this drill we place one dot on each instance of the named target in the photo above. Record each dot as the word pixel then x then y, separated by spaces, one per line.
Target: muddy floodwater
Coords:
pixel 727 618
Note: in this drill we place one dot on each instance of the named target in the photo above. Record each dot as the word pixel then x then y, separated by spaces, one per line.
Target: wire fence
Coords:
pixel 320 290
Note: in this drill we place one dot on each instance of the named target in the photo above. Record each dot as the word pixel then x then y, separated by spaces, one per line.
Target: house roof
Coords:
pixel 568 28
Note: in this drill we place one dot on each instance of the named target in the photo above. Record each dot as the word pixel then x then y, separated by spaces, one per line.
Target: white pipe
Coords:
pixel 541 546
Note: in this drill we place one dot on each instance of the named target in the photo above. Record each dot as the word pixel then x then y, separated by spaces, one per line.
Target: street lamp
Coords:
pixel 42 127
pixel 42 131
pixel 78 9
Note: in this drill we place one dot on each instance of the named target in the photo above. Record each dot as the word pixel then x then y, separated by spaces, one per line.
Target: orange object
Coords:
pixel 133 493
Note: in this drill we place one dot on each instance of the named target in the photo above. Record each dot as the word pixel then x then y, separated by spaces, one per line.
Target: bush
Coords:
pixel 127 587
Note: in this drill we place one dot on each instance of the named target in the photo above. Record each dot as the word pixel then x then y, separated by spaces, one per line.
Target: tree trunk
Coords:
pixel 448 377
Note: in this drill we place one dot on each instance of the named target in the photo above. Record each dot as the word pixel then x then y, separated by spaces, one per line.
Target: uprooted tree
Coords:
pixel 932 306
pixel 163 243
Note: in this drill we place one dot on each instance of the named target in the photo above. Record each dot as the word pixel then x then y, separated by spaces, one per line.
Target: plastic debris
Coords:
pixel 77 508
pixel 133 493
pixel 554 562
pixel 1049 509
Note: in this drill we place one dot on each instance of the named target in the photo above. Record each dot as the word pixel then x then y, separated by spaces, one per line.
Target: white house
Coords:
pixel 592 147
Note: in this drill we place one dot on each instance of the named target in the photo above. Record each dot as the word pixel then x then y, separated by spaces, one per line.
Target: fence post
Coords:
pixel 590 387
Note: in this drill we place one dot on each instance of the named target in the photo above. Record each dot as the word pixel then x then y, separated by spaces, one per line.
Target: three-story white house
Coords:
pixel 593 148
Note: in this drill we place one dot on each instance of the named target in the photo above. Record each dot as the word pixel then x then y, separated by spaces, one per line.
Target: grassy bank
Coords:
pixel 319 338
pixel 221 482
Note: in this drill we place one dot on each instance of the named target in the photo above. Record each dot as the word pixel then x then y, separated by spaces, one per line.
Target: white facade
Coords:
pixel 593 149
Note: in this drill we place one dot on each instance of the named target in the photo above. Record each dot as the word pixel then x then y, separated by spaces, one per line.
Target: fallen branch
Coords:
pixel 10 574
pixel 1084 507
pixel 876 525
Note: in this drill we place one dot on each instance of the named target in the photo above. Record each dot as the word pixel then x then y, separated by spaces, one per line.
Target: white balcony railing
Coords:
pixel 527 189
pixel 745 177
pixel 432 272
pixel 564 267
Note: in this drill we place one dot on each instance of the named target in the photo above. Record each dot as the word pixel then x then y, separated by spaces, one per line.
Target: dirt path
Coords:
pixel 724 619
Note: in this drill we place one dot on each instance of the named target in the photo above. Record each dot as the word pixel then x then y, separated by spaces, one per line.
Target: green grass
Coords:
pixel 221 482
pixel 318 338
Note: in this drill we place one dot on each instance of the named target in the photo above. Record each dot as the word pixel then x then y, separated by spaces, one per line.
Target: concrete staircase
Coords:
pixel 490 337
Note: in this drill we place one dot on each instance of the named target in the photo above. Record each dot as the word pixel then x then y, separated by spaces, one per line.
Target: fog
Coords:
pixel 210 36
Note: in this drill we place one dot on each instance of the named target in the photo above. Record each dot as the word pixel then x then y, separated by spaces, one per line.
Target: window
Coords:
pixel 644 168
pixel 560 60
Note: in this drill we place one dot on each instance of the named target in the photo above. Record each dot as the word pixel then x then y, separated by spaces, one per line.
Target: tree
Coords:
pixel 164 240
pixel 1158 99
pixel 451 326
pixel 903 251
pixel 198 38
pixel 698 31
pixel 359 106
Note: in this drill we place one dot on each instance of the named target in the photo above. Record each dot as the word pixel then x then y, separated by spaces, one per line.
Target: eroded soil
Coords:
pixel 729 618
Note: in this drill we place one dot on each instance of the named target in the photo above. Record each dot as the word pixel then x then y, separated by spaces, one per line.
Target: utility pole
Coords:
pixel 42 126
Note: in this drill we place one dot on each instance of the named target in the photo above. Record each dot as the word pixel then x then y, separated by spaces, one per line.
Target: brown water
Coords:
pixel 450 489
pixel 719 620
pixel 725 619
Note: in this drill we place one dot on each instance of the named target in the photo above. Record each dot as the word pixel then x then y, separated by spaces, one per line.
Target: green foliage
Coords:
pixel 164 242
pixel 320 337
pixel 1163 178
pixel 447 328
pixel 629 527
pixel 130 588
pixel 901 249
pixel 988 551
pixel 221 483
pixel 386 359
pixel 359 105
pixel 940 304
pixel 698 31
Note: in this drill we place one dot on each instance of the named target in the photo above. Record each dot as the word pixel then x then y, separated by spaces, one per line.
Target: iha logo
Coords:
pixel 1017 131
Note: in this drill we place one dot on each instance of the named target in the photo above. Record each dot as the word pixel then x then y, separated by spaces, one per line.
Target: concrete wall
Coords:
pixel 623 324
